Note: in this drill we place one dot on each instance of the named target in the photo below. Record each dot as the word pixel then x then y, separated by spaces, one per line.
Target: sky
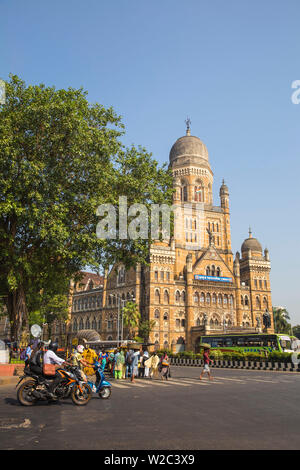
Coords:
pixel 229 66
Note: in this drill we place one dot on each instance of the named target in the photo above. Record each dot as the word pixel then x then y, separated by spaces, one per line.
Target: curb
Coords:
pixel 9 380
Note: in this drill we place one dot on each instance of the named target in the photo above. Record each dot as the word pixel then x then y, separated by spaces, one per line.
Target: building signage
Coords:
pixel 200 277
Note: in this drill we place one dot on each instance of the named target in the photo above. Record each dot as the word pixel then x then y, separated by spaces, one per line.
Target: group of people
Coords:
pixel 122 363
pixel 127 363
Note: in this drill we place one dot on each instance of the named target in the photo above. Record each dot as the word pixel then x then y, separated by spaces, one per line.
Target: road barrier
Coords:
pixel 236 364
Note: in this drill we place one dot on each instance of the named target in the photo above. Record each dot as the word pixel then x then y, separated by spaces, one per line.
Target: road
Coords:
pixel 240 409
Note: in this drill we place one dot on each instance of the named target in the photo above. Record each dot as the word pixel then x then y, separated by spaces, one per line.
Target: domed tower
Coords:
pixel 255 281
pixel 224 196
pixel 191 169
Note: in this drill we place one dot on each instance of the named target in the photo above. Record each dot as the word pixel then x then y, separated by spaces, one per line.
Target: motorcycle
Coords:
pixel 32 388
pixel 104 387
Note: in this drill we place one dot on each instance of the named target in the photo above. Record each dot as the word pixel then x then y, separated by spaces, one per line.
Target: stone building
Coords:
pixel 85 305
pixel 194 283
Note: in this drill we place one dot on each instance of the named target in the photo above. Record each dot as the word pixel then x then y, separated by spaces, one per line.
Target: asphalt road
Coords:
pixel 240 409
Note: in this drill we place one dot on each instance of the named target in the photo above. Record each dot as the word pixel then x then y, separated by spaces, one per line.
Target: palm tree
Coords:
pixel 131 318
pixel 280 316
pixel 146 328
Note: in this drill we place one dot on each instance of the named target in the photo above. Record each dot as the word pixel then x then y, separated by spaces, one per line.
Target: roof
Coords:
pixel 87 278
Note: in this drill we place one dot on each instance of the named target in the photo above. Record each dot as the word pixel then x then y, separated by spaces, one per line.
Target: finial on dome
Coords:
pixel 250 232
pixel 188 123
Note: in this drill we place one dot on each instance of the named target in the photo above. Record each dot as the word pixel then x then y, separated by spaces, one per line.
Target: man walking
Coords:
pixel 206 368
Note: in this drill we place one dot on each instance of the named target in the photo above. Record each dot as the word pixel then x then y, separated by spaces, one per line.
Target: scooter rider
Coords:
pixel 51 358
pixel 80 362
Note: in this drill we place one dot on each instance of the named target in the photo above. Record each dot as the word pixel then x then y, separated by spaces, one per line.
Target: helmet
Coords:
pixel 80 348
pixel 53 346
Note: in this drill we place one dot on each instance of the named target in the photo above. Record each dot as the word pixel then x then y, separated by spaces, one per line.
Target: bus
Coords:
pixel 249 343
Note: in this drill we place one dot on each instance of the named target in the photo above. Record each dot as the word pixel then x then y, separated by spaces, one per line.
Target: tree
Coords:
pixel 131 318
pixel 60 158
pixel 296 331
pixel 280 317
pixel 145 329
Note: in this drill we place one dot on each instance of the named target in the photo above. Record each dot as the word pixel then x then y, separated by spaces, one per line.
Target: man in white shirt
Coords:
pixel 51 358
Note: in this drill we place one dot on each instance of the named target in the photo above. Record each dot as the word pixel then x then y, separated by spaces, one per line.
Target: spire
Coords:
pixel 188 123
pixel 250 232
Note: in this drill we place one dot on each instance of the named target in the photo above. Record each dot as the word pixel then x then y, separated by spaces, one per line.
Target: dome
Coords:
pixel 224 189
pixel 188 146
pixel 251 244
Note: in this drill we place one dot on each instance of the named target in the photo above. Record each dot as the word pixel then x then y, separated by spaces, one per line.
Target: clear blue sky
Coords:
pixel 228 65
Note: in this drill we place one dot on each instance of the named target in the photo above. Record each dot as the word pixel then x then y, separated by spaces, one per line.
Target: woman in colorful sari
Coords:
pixel 119 363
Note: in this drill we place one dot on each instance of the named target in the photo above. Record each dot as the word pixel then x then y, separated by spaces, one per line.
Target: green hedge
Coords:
pixel 274 356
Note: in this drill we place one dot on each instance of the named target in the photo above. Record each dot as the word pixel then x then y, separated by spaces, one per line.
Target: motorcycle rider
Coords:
pixel 80 362
pixel 35 360
pixel 51 358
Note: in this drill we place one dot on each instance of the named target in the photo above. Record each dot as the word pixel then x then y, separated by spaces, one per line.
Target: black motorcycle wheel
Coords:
pixel 105 393
pixel 24 393
pixel 83 396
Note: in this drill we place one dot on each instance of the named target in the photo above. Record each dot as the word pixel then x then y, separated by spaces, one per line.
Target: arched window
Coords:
pixel 265 303
pixel 177 296
pixel 198 322
pixel 214 299
pixel 177 323
pixel 94 324
pixel 207 271
pixel 199 191
pixel 156 275
pixel 242 300
pixel 213 270
pixel 208 299
pixel 157 296
pixel 184 193
pixel 220 300
pixel 156 314
pixel 225 299
pixel 196 298
pixel 166 316
pixel 231 300
pixel 87 324
pixel 258 305
pixel 218 272
pixel 81 324
pixel 202 297
pixel 246 300
pixel 99 324
pixel 75 326
pixel 183 296
pixel 166 297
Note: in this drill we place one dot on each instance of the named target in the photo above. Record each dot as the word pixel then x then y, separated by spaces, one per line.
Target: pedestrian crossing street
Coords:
pixel 190 382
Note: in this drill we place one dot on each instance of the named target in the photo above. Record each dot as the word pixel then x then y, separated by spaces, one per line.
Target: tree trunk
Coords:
pixel 17 312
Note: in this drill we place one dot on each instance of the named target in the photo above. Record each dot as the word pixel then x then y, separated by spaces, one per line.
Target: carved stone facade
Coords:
pixel 193 283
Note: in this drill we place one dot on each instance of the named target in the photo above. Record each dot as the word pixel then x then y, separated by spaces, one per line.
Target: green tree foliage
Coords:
pixel 145 329
pixel 281 317
pixel 60 158
pixel 131 318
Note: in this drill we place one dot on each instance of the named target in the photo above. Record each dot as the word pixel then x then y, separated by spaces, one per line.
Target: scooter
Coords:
pixel 104 387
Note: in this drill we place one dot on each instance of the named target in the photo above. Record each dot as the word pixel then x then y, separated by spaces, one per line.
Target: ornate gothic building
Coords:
pixel 194 283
